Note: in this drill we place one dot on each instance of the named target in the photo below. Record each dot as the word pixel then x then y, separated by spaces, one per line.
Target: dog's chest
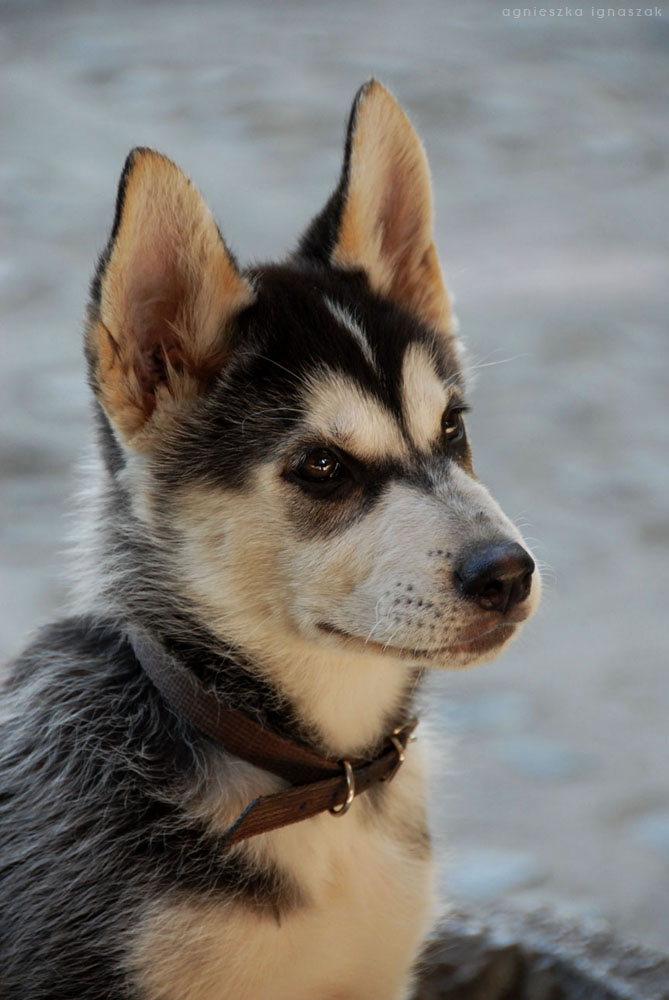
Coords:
pixel 363 904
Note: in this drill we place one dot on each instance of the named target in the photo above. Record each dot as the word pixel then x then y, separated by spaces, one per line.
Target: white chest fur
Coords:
pixel 363 906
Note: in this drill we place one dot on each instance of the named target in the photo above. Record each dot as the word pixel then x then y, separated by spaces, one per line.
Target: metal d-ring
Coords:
pixel 400 749
pixel 350 791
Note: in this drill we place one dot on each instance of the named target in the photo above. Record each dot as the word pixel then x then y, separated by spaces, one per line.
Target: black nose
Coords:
pixel 496 576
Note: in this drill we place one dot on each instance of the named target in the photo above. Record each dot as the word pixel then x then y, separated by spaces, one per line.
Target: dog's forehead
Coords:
pixel 367 375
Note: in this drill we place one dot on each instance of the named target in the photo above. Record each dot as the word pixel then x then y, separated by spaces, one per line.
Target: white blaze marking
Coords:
pixel 346 319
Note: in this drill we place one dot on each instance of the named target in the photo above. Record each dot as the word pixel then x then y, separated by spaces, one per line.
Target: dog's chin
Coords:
pixel 475 651
pixel 455 656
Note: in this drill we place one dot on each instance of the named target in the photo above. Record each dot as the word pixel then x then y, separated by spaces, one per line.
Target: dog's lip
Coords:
pixel 481 642
pixel 487 640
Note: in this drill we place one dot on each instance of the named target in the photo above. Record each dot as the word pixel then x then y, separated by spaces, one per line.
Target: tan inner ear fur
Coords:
pixel 386 228
pixel 167 293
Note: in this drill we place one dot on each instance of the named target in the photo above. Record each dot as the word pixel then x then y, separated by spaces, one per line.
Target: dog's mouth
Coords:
pixel 476 645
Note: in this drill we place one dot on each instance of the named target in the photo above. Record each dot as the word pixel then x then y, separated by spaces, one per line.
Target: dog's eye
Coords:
pixel 452 425
pixel 320 466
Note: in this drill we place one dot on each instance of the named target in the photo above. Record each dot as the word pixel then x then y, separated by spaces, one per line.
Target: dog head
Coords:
pixel 291 438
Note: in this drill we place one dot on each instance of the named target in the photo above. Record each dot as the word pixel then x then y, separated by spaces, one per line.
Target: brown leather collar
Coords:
pixel 317 782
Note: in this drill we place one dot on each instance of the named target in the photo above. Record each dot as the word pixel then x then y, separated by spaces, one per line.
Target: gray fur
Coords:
pixel 96 774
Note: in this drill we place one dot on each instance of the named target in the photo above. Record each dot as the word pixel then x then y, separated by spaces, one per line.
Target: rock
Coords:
pixel 531 956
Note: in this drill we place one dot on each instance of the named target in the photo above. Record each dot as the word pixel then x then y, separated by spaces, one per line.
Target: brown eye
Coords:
pixel 452 425
pixel 319 466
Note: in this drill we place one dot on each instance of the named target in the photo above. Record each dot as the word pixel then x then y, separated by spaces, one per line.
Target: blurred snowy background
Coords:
pixel 549 149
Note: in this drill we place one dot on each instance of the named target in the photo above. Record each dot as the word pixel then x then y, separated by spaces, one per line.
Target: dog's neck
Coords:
pixel 341 704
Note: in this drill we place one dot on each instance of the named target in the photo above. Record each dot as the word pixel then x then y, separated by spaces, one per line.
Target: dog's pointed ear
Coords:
pixel 164 299
pixel 379 219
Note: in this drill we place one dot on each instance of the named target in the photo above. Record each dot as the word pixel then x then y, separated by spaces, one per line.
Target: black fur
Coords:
pixel 95 771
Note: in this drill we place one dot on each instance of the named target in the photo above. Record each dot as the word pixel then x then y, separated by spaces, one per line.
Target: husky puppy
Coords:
pixel 285 506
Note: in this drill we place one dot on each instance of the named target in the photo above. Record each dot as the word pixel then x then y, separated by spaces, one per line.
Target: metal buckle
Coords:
pixel 400 750
pixel 350 791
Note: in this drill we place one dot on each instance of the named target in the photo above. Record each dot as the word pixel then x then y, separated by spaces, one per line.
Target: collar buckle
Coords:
pixel 399 739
